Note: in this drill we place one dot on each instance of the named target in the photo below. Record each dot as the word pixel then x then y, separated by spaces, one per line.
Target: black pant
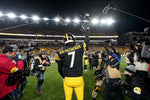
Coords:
pixel 90 62
pixel 109 88
pixel 9 96
pixel 85 66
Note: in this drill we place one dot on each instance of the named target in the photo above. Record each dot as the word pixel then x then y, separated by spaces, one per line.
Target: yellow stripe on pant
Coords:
pixel 75 83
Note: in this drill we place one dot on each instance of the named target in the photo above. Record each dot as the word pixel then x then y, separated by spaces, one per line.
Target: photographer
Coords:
pixel 99 76
pixel 129 72
pixel 41 62
pixel 95 59
pixel 140 83
pixel 112 78
pixel 23 83
pixel 129 58
pixel 8 66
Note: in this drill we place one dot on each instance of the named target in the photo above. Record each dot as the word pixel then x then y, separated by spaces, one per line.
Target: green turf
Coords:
pixel 53 85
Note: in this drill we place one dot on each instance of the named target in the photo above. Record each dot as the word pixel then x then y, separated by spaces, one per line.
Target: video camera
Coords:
pixel 21 74
pixel 26 47
pixel 138 39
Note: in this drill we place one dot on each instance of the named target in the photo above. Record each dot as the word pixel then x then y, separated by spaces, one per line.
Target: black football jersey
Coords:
pixel 71 58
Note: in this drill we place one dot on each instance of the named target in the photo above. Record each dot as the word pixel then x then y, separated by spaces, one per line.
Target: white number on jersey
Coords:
pixel 72 58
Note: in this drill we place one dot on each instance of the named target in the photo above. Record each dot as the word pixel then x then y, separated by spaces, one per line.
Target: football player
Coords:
pixel 69 61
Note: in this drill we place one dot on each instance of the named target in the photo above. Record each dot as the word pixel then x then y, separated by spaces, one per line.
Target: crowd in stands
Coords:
pixel 55 29
pixel 51 50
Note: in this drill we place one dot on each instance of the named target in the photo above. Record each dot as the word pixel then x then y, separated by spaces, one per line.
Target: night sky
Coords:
pixel 51 8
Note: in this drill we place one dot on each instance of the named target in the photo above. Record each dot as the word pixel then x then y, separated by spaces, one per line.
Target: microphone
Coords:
pixel 62 21
pixel 106 9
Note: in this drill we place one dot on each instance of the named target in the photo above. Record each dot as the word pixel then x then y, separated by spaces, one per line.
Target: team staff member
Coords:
pixel 7 67
pixel 40 64
pixel 70 66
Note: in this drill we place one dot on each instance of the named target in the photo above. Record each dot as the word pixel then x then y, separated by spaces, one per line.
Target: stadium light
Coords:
pixel 23 17
pixel 110 21
pixel 45 18
pixel 94 21
pixel 57 19
pixel 11 15
pixel 35 18
pixel 1 14
pixel 76 20
pixel 67 20
pixel 103 21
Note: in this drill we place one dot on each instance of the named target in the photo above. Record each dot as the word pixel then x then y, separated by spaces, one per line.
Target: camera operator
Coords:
pixel 8 66
pixel 23 83
pixel 129 72
pixel 41 62
pixel 129 57
pixel 95 59
pixel 140 83
pixel 112 78
pixel 99 76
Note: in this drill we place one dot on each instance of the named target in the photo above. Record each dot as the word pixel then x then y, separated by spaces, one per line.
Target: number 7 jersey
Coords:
pixel 71 59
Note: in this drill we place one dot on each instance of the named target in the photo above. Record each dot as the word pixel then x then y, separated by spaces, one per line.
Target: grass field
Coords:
pixel 53 85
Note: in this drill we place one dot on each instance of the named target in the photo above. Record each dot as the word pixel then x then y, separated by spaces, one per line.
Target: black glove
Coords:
pixel 98 72
pixel 118 83
pixel 11 79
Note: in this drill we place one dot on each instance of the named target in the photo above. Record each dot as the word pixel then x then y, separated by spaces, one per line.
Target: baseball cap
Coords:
pixel 11 48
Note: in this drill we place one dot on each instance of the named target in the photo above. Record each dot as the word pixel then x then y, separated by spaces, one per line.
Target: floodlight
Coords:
pixel 57 19
pixel 103 21
pixel 35 18
pixel 1 14
pixel 45 18
pixel 23 16
pixel 11 15
pixel 110 21
pixel 94 21
pixel 76 20
pixel 67 20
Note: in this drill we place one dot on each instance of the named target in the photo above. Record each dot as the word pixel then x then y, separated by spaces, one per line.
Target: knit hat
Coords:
pixel 130 69
pixel 11 48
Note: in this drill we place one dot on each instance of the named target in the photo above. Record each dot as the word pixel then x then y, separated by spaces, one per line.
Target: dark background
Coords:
pixel 71 8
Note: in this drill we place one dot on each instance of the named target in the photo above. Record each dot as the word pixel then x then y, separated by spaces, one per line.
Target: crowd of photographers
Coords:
pixel 136 85
pixel 15 67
